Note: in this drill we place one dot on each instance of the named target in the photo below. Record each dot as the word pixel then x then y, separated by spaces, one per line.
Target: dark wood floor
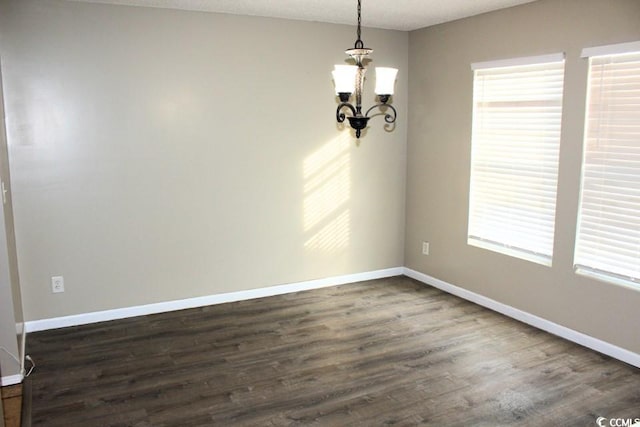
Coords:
pixel 384 352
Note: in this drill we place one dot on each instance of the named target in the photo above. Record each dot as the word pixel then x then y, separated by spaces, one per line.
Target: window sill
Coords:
pixel 510 251
pixel 604 277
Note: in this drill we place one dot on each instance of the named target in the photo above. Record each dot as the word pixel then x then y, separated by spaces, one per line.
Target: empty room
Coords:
pixel 320 212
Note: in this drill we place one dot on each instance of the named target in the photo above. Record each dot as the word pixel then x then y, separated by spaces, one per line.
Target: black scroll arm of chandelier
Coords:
pixel 349 79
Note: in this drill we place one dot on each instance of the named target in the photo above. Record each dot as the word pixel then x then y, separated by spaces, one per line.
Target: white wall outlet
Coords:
pixel 57 284
pixel 425 248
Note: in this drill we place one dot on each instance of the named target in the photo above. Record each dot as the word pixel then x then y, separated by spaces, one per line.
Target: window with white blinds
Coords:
pixel 517 112
pixel 608 238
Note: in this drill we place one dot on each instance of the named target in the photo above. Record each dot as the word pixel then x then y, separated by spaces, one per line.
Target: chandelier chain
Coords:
pixel 359 20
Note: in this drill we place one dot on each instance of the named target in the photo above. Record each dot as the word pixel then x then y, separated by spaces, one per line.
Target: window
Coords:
pixel 517 112
pixel 608 238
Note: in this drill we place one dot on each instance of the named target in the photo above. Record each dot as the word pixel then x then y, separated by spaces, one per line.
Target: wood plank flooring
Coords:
pixel 383 352
pixel 12 405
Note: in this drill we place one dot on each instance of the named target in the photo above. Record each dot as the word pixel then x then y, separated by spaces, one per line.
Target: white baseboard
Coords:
pixel 162 307
pixel 538 322
pixel 11 380
pixel 530 319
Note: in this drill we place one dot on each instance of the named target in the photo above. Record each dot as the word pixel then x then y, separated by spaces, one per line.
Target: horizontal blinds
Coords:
pixel 515 144
pixel 608 238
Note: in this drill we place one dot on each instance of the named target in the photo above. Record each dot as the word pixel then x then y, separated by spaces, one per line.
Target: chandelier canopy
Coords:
pixel 348 79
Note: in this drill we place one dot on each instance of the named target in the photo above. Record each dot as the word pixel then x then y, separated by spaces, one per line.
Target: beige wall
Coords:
pixel 160 154
pixel 440 108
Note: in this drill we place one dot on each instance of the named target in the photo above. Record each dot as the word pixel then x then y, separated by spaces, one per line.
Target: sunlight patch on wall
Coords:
pixel 327 189
pixel 334 235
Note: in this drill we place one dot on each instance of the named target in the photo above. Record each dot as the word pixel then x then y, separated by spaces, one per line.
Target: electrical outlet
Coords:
pixel 57 284
pixel 425 248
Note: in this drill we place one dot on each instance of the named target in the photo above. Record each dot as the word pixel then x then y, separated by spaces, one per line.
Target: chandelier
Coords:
pixel 348 80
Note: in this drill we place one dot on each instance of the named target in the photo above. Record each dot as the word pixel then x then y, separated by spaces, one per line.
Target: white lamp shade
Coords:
pixel 385 80
pixel 344 78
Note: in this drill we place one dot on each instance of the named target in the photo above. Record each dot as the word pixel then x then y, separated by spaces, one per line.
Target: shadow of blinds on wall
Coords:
pixel 608 239
pixel 517 114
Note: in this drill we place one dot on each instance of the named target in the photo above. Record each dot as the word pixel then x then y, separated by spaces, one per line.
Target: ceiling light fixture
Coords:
pixel 349 79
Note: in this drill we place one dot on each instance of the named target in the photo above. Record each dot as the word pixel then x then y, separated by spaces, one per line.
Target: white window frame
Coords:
pixel 517 243
pixel 590 258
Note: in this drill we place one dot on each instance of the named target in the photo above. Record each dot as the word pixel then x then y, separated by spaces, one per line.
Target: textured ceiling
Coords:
pixel 390 14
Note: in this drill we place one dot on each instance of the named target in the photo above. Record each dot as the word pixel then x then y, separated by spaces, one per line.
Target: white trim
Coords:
pixel 538 322
pixel 11 380
pixel 510 251
pixel 23 347
pixel 512 62
pixel 630 283
pixel 162 307
pixel 611 49
pixel 530 319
